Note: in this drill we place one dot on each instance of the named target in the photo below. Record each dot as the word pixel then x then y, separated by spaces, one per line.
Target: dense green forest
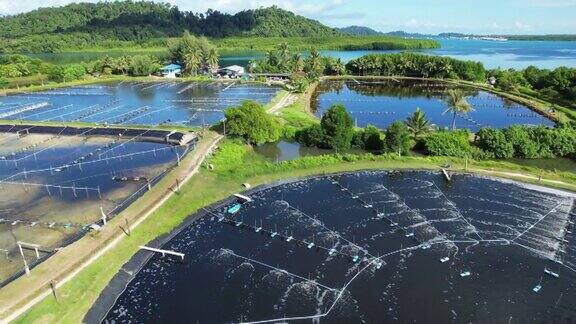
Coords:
pixel 146 24
pixel 327 43
pixel 117 23
pixel 417 65
pixel 360 31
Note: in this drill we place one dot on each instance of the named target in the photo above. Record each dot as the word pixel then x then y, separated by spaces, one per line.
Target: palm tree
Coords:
pixel 457 104
pixel 314 60
pixel 297 63
pixel 211 58
pixel 271 58
pixel 417 124
pixel 283 52
pixel 192 62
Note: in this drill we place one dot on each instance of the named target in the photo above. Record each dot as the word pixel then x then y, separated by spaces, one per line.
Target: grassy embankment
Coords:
pixel 236 163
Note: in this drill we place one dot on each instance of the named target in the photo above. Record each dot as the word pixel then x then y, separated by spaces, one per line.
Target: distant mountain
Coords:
pixel 359 31
pixel 81 25
pixel 401 33
pixel 145 19
pixel 275 22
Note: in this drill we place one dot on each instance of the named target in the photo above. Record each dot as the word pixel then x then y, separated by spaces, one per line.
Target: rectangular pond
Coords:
pixel 143 103
pixel 52 188
pixel 378 241
pixel 381 102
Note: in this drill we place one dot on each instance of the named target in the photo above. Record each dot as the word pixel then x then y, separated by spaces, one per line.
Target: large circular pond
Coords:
pixel 369 247
pixel 381 102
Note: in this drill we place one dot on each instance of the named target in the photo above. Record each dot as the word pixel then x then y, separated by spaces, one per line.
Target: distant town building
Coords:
pixel 171 70
pixel 232 71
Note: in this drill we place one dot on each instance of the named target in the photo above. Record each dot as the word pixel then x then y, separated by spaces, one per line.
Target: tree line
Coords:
pixel 552 85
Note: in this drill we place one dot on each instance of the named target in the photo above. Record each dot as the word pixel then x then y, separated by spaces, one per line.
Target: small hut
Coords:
pixel 171 70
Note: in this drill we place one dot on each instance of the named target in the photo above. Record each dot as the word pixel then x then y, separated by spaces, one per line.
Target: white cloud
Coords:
pixel 522 26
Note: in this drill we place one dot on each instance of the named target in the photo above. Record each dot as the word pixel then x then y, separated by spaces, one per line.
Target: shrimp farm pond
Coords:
pixel 54 187
pixel 130 103
pixel 370 247
pixel 381 102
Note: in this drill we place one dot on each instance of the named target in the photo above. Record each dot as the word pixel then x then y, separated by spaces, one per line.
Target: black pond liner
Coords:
pixel 118 284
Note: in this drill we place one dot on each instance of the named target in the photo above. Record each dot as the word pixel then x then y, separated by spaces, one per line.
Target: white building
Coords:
pixel 232 71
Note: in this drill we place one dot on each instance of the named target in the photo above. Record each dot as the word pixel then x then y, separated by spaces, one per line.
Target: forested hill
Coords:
pixel 360 31
pixel 91 24
pixel 275 22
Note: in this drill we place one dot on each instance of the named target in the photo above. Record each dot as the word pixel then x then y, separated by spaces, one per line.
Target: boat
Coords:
pixel 332 252
pixel 311 245
pixel 537 288
pixel 426 246
pixel 234 209
pixel 409 234
pixel 465 274
pixel 378 265
pixel 355 258
pixel 551 273
pixel 445 259
pixel 289 239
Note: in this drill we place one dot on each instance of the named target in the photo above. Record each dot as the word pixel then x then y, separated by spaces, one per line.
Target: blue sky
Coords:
pixel 427 16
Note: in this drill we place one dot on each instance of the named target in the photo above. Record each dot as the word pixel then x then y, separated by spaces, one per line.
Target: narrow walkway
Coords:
pixel 287 100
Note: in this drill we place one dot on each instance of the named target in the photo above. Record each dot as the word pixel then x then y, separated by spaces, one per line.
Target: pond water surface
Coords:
pixel 493 54
pixel 145 103
pixel 381 102
pixel 53 187
pixel 388 246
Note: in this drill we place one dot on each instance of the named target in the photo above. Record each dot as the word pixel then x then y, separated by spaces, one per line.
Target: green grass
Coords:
pixel 247 43
pixel 324 43
pixel 299 114
pixel 236 163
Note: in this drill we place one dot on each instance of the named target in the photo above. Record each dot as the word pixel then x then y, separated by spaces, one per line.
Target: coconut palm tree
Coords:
pixel 192 62
pixel 271 58
pixel 297 63
pixel 418 125
pixel 283 52
pixel 314 60
pixel 211 58
pixel 457 104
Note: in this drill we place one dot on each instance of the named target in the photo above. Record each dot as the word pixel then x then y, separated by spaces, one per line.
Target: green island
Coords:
pixel 226 157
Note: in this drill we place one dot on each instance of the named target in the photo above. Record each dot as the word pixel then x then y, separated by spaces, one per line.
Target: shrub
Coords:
pixel 370 138
pixel 521 140
pixel 397 138
pixel 251 122
pixel 494 141
pixel 311 136
pixel 338 128
pixel 449 143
